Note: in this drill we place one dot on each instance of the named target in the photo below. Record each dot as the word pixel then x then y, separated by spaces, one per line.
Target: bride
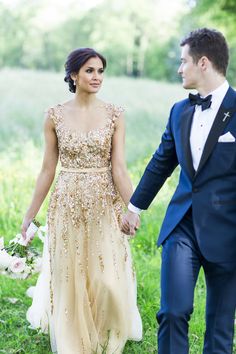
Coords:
pixel 86 292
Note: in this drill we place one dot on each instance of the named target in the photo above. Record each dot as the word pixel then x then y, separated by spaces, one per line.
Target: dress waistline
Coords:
pixel 86 170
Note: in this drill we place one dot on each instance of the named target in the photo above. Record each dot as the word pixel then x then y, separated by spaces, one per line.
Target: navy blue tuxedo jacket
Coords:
pixel 211 190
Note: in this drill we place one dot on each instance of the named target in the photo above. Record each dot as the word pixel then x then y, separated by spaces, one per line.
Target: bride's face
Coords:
pixel 90 76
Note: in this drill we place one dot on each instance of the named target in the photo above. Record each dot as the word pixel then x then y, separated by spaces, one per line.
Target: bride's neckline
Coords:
pixel 77 132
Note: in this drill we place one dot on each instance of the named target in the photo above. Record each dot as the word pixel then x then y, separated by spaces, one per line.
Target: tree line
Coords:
pixel 130 36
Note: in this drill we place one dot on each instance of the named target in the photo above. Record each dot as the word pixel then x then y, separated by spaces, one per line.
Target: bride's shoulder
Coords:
pixel 53 113
pixel 115 110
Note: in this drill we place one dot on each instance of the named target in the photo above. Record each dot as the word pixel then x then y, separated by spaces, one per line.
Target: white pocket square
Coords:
pixel 226 138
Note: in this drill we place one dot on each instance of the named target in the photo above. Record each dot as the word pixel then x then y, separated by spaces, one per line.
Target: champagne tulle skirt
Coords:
pixel 85 295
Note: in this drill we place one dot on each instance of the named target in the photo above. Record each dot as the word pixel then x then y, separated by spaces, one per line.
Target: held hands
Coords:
pixel 130 223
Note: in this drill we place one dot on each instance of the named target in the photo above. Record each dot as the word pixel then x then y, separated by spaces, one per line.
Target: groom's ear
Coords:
pixel 204 63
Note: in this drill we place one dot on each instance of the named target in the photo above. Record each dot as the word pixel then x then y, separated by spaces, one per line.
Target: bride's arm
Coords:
pixel 46 174
pixel 119 169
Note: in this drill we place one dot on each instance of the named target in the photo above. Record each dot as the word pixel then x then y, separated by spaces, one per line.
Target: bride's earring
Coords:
pixel 74 82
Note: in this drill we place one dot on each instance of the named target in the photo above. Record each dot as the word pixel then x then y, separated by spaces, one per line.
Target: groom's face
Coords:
pixel 189 71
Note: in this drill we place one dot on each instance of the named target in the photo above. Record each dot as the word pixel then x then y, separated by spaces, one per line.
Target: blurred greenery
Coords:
pixel 220 14
pixel 140 38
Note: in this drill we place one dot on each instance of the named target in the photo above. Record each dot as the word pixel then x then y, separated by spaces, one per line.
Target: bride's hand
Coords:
pixel 130 223
pixel 24 226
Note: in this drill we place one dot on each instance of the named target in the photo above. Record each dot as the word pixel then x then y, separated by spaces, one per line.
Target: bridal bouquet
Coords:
pixel 18 260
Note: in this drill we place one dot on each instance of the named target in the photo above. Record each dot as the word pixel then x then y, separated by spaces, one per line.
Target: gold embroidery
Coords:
pixel 80 201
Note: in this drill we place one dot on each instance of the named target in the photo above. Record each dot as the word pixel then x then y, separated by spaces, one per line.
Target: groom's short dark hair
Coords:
pixel 210 43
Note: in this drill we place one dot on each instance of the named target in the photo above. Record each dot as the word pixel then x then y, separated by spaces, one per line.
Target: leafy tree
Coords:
pixel 220 14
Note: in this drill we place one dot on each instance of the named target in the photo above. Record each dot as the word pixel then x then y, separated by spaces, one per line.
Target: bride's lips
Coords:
pixel 95 84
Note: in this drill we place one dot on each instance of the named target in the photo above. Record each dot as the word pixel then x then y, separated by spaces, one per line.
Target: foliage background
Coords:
pixel 140 38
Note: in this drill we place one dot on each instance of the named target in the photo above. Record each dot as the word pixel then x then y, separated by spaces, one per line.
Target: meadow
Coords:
pixel 25 95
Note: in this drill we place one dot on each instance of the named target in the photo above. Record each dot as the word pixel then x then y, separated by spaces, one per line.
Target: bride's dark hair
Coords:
pixel 76 59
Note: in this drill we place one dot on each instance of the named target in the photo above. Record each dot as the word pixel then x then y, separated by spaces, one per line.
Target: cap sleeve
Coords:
pixel 117 111
pixel 51 113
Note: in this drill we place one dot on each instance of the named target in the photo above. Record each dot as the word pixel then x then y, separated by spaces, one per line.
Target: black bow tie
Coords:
pixel 197 99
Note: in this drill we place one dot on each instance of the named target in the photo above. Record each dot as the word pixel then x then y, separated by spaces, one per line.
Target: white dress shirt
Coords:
pixel 202 123
pixel 201 126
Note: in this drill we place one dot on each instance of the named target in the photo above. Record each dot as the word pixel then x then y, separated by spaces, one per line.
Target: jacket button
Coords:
pixel 195 190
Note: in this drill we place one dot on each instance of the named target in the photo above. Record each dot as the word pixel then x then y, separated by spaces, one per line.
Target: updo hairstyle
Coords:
pixel 75 60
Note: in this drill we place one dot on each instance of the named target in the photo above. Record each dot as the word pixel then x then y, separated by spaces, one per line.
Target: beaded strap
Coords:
pixel 114 113
pixel 53 114
pixel 117 112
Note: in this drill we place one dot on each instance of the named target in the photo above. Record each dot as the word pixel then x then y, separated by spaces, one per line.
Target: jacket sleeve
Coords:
pixel 160 167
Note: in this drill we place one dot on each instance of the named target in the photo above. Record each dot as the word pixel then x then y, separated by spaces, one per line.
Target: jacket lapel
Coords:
pixel 226 110
pixel 186 122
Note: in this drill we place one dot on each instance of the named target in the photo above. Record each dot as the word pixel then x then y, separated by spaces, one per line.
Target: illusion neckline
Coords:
pixel 79 132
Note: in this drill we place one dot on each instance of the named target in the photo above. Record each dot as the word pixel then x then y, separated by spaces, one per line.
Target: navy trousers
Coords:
pixel 181 263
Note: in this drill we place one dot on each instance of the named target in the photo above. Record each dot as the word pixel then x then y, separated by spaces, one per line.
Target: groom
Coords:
pixel 199 228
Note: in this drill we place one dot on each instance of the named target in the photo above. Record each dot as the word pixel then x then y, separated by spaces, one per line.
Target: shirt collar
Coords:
pixel 218 95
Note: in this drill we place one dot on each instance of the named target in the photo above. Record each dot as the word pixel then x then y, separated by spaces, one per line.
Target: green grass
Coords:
pixel 24 97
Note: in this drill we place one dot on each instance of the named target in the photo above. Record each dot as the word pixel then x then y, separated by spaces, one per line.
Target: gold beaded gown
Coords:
pixel 93 305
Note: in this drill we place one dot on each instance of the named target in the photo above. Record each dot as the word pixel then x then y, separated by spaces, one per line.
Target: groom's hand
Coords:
pixel 130 223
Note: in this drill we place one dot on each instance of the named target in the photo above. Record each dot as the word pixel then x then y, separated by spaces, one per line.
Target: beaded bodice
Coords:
pixel 85 150
pixel 84 187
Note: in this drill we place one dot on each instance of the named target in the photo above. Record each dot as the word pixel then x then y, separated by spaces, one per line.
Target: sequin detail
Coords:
pixel 90 261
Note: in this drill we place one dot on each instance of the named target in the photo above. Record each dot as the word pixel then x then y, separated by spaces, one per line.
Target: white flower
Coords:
pixel 5 259
pixel 1 243
pixel 17 265
pixel 19 262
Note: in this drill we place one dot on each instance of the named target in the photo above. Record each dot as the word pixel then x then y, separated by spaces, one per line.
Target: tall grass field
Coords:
pixel 25 95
